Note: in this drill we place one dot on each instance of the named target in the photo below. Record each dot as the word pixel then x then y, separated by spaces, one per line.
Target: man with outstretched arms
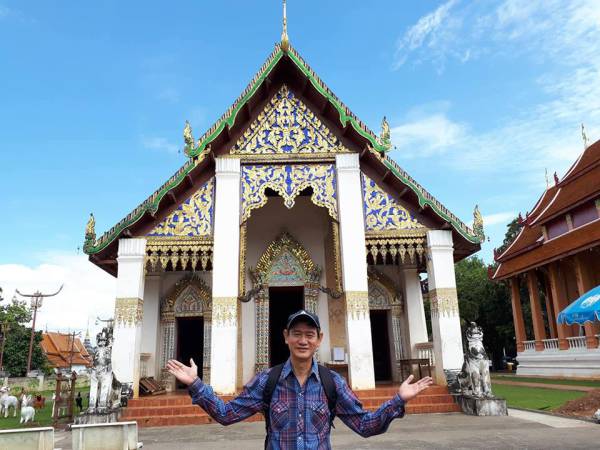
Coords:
pixel 299 398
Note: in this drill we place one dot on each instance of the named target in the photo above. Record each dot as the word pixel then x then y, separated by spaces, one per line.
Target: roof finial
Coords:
pixel 586 141
pixel 285 42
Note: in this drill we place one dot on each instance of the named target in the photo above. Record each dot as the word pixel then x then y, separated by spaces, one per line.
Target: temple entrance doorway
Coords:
pixel 380 339
pixel 283 301
pixel 190 342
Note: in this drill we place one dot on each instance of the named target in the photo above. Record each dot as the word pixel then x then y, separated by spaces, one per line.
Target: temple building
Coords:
pixel 288 201
pixel 65 352
pixel 556 256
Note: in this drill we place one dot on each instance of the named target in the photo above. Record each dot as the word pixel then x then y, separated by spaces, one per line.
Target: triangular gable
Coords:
pixel 352 128
pixel 287 126
pixel 383 212
pixel 192 218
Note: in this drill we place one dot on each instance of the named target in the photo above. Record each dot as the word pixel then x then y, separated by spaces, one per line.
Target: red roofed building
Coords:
pixel 62 352
pixel 557 256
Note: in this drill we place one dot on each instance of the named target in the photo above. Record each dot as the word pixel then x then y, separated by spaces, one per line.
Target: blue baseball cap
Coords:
pixel 303 315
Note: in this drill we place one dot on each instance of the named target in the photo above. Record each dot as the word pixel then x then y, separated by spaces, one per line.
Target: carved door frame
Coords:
pixel 190 297
pixel 308 275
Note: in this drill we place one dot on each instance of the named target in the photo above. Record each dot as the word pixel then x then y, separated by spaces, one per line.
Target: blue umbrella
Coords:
pixel 585 309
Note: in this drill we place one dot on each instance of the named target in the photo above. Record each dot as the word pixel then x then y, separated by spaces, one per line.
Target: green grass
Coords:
pixel 43 417
pixel 590 383
pixel 534 398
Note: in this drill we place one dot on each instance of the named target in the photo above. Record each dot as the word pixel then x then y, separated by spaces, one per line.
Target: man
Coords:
pixel 297 415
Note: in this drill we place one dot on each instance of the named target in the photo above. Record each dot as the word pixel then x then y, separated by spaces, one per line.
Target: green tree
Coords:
pixel 16 315
pixel 512 230
pixel 487 303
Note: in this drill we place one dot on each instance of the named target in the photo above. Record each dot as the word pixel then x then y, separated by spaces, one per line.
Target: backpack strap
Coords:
pixel 330 391
pixel 270 386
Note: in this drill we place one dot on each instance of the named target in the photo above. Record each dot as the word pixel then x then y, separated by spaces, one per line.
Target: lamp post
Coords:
pixel 36 303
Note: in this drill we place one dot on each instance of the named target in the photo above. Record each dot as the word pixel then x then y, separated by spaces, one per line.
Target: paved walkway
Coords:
pixel 521 430
pixel 560 387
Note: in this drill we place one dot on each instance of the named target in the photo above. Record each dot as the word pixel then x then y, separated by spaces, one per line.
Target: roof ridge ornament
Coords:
pixel 385 137
pixel 90 233
pixel 478 224
pixel 188 138
pixel 586 141
pixel 285 42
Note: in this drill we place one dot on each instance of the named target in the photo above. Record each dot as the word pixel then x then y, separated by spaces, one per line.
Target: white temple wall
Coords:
pixel 150 325
pixel 308 224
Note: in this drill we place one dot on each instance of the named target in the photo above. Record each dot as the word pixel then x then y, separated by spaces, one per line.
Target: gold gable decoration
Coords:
pixel 410 247
pixel 287 126
pixel 382 211
pixel 194 217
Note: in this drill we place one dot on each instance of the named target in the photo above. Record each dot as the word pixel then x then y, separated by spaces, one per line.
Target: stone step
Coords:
pixel 178 409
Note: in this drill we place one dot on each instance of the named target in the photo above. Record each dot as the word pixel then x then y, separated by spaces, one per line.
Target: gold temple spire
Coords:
pixel 285 42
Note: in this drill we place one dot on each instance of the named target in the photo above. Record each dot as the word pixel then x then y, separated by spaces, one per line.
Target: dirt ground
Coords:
pixel 583 407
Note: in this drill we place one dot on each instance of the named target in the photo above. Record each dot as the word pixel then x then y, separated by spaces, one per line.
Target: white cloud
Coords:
pixel 499 218
pixel 564 36
pixel 427 135
pixel 88 291
pixel 425 32
pixel 159 143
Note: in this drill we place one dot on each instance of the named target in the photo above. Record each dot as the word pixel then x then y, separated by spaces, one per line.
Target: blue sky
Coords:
pixel 481 97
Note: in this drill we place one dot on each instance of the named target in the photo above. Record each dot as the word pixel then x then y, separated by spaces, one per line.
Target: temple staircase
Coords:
pixel 177 409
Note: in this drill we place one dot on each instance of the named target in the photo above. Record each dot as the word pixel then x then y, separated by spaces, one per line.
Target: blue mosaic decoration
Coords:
pixel 382 211
pixel 288 181
pixel 194 217
pixel 286 126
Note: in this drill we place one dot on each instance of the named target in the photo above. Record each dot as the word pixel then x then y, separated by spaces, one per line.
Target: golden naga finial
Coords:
pixel 188 137
pixel 385 137
pixel 285 42
pixel 586 141
pixel 90 233
pixel 478 224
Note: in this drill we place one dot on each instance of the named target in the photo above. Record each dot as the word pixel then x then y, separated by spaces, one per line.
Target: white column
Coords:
pixel 415 310
pixel 445 322
pixel 226 248
pixel 150 330
pixel 129 305
pixel 354 268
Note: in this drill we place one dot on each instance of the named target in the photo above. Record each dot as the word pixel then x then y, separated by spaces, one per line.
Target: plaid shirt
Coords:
pixel 299 415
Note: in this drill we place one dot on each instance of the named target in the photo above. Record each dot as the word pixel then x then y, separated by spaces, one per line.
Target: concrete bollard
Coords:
pixel 27 439
pixel 105 436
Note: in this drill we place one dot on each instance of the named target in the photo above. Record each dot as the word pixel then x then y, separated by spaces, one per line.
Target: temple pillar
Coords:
pixel 354 269
pixel 584 284
pixel 539 330
pixel 415 310
pixel 226 248
pixel 445 321
pixel 150 327
pixel 550 312
pixel 517 314
pixel 127 333
pixel 560 302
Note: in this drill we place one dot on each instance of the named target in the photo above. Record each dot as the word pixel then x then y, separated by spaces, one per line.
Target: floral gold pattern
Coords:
pixel 396 250
pixel 129 311
pixel 164 254
pixel 224 311
pixel 288 181
pixel 382 211
pixel 287 126
pixel 444 302
pixel 357 304
pixel 194 217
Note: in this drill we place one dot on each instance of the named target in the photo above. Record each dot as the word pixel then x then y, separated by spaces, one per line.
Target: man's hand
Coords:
pixel 409 391
pixel 186 374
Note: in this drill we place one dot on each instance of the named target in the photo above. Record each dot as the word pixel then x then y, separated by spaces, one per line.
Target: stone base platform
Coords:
pixel 475 406
pixel 177 409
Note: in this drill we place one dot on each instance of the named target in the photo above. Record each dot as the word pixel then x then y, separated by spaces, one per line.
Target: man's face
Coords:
pixel 303 340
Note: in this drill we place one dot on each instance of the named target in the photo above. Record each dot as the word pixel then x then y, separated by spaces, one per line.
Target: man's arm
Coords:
pixel 351 412
pixel 244 405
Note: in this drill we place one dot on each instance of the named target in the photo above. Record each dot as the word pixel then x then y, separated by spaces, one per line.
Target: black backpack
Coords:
pixel 326 381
